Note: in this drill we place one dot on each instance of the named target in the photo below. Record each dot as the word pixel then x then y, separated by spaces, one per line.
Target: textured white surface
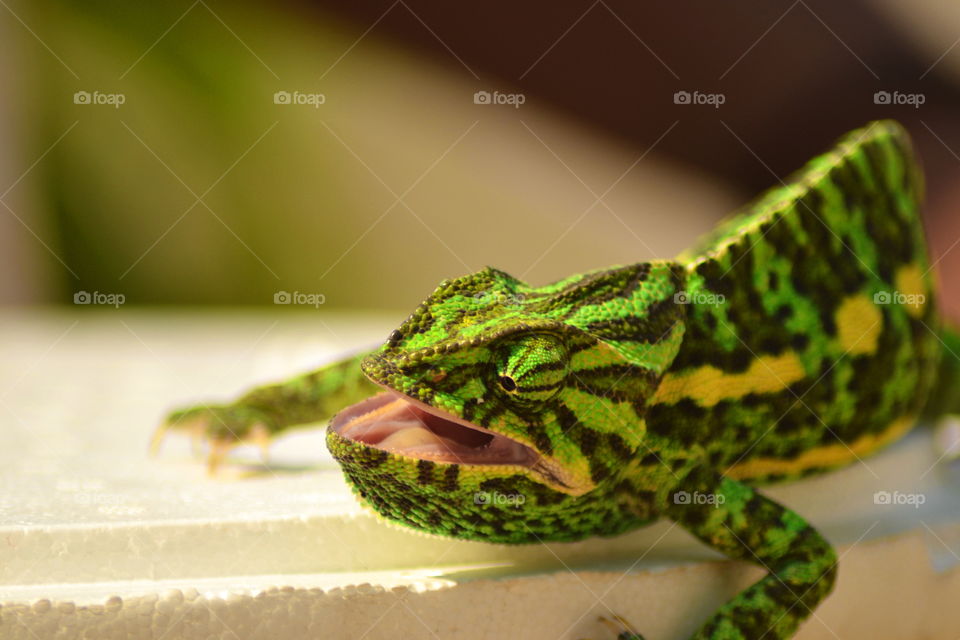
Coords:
pixel 99 539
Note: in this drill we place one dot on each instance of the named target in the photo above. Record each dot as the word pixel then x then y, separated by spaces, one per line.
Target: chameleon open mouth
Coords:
pixel 400 424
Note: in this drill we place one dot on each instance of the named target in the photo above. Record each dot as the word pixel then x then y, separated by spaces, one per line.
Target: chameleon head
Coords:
pixel 500 419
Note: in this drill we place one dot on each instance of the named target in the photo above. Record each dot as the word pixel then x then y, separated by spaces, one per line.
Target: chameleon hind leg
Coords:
pixel 743 524
pixel 263 413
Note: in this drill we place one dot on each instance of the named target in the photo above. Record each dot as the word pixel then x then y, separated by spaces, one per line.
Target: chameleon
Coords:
pixel 799 336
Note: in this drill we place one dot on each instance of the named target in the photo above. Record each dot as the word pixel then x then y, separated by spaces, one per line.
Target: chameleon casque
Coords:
pixel 799 336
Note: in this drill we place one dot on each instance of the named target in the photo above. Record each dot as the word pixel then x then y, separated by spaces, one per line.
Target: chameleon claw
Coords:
pixel 223 428
pixel 191 425
pixel 157 439
pixel 218 451
pixel 623 629
pixel 196 448
pixel 260 436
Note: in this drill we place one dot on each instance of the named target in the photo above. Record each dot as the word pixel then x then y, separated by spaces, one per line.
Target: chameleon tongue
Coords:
pixel 395 423
pixel 409 438
pixel 399 426
pixel 374 426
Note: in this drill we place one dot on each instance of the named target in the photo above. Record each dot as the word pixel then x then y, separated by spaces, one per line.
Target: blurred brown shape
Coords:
pixel 795 74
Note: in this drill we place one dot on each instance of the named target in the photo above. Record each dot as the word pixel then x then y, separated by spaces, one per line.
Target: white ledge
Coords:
pixel 100 538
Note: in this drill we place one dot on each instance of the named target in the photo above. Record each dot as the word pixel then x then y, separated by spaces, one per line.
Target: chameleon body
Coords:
pixel 799 336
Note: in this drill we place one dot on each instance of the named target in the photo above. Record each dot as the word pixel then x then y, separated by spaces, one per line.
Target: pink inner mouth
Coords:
pixel 397 423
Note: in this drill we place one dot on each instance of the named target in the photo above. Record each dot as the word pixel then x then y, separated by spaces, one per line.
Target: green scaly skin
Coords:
pixel 311 397
pixel 669 388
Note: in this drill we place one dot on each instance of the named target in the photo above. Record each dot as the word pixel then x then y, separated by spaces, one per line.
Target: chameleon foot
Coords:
pixel 623 629
pixel 221 427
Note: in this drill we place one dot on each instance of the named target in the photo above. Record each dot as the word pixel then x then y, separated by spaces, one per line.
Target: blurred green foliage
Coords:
pixel 198 188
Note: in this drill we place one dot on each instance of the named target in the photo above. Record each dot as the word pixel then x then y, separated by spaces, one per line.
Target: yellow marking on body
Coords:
pixel 708 385
pixel 912 289
pixel 823 457
pixel 859 323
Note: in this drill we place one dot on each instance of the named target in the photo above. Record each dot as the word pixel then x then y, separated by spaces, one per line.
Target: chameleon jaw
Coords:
pixel 402 425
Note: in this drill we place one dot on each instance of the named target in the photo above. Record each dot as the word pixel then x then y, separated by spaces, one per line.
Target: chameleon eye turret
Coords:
pixel 531 369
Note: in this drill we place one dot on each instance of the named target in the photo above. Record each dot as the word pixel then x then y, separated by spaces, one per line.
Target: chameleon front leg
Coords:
pixel 743 524
pixel 264 412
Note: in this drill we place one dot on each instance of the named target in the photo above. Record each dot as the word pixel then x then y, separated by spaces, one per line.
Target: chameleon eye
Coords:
pixel 508 383
pixel 532 368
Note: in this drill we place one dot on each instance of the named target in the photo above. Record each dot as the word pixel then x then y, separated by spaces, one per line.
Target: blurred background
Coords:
pixel 202 152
